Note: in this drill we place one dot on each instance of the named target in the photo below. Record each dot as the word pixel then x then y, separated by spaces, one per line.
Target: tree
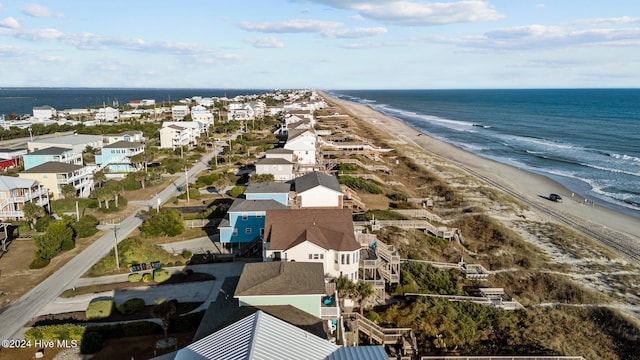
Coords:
pixel 261 178
pixel 61 232
pixel 167 222
pixel 362 291
pixel 69 191
pixel 345 288
pixel 164 310
pixel 117 190
pixel 99 177
pixel 140 176
pixel 32 212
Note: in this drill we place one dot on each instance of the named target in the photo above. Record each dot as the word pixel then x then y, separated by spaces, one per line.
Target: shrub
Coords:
pixel 147 277
pixel 237 191
pixel 161 275
pixel 355 183
pixel 91 343
pixel 179 263
pixel 86 226
pixel 131 306
pixel 67 332
pixel 38 263
pixel 187 254
pixel 42 223
pixel 135 277
pixel 99 309
pixel 67 244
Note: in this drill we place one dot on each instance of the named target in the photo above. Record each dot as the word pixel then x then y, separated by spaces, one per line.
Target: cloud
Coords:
pixel 607 21
pixel 36 10
pixel 266 42
pixel 404 12
pixel 540 6
pixel 9 23
pixel 40 34
pixel 356 33
pixel 291 26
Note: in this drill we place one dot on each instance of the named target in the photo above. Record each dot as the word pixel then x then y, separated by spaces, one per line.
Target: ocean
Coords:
pixel 586 139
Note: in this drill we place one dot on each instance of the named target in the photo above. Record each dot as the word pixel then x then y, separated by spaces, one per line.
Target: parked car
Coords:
pixel 555 197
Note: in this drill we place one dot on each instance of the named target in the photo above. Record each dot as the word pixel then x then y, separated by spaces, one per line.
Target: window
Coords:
pixel 321 256
pixel 342 262
pixel 310 256
pixel 235 232
pixel 245 216
pixel 247 231
pixel 258 215
pixel 261 231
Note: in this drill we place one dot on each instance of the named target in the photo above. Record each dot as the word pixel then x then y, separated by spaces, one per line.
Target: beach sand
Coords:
pixel 614 229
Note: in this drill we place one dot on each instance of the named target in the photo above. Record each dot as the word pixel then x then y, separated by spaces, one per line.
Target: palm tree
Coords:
pixel 140 176
pixel 68 191
pixel 99 177
pixel 116 189
pixel 363 292
pixel 164 310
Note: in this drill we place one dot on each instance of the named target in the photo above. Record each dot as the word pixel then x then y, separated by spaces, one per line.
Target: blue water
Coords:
pixel 586 139
pixel 22 100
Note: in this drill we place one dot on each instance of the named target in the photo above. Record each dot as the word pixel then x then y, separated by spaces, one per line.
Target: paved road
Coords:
pixel 24 309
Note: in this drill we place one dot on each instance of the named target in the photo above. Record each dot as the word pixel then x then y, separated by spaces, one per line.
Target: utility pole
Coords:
pixel 186 177
pixel 115 240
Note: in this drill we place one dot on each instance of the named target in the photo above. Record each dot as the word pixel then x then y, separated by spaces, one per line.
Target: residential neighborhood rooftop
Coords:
pixel 281 278
pixel 123 145
pixel 54 150
pixel 316 178
pixel 241 205
pixel 268 188
pixel 53 167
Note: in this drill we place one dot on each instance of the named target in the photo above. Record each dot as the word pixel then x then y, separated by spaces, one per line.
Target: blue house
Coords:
pixel 54 153
pixel 116 157
pixel 269 190
pixel 244 221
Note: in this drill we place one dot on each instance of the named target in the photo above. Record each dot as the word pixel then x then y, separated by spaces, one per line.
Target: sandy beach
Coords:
pixel 614 229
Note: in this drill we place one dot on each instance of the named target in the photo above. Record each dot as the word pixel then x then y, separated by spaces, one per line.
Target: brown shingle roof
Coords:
pixel 281 278
pixel 331 229
pixel 53 167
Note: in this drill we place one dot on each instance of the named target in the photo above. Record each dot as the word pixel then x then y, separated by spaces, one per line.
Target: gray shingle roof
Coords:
pixel 316 178
pixel 9 183
pixel 273 161
pixel 70 139
pixel 54 150
pixel 281 278
pixel 123 145
pixel 268 188
pixel 280 151
pixel 255 205
pixel 53 167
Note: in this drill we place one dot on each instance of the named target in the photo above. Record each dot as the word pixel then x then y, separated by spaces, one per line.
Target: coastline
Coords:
pixel 614 229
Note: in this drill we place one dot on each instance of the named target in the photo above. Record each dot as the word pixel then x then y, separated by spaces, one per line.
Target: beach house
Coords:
pixel 268 191
pixel 76 142
pixel 318 190
pixel 132 135
pixel 244 221
pixel 323 236
pixel 175 134
pixel 54 153
pixel 179 112
pixel 303 145
pixel 16 192
pixel 116 157
pixel 55 175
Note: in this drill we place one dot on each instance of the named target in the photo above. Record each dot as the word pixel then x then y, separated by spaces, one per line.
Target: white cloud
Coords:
pixel 265 42
pixel 36 10
pixel 540 36
pixel 606 21
pixel 540 6
pixel 356 33
pixel 40 34
pixel 404 12
pixel 9 23
pixel 291 26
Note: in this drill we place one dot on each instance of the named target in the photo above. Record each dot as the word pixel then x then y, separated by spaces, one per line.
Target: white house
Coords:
pixel 203 115
pixel 303 144
pixel 43 112
pixel 318 190
pixel 178 112
pixel 313 235
pixel 77 142
pixel 174 136
pixel 107 114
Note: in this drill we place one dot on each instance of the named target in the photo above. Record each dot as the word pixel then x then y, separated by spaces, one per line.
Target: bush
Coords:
pixel 147 277
pixel 100 309
pixel 237 191
pixel 42 223
pixel 67 244
pixel 135 277
pixel 86 226
pixel 131 306
pixel 187 254
pixel 355 183
pixel 161 275
pixel 179 263
pixel 38 263
pixel 67 332
pixel 91 343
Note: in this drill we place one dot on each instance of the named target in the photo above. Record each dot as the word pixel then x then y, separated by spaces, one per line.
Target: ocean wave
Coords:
pixel 625 157
pixel 547 143
pixel 617 171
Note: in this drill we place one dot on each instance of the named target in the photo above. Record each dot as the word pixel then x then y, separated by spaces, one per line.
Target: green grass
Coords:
pixel 99 309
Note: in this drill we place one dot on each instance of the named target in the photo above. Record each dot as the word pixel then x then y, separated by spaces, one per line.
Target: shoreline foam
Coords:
pixel 602 223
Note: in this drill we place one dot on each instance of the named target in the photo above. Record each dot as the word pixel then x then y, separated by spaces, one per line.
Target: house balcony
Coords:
pixel 330 307
pixel 75 159
pixel 76 177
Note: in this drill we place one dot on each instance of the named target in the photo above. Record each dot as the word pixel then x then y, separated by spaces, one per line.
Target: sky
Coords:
pixel 322 44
